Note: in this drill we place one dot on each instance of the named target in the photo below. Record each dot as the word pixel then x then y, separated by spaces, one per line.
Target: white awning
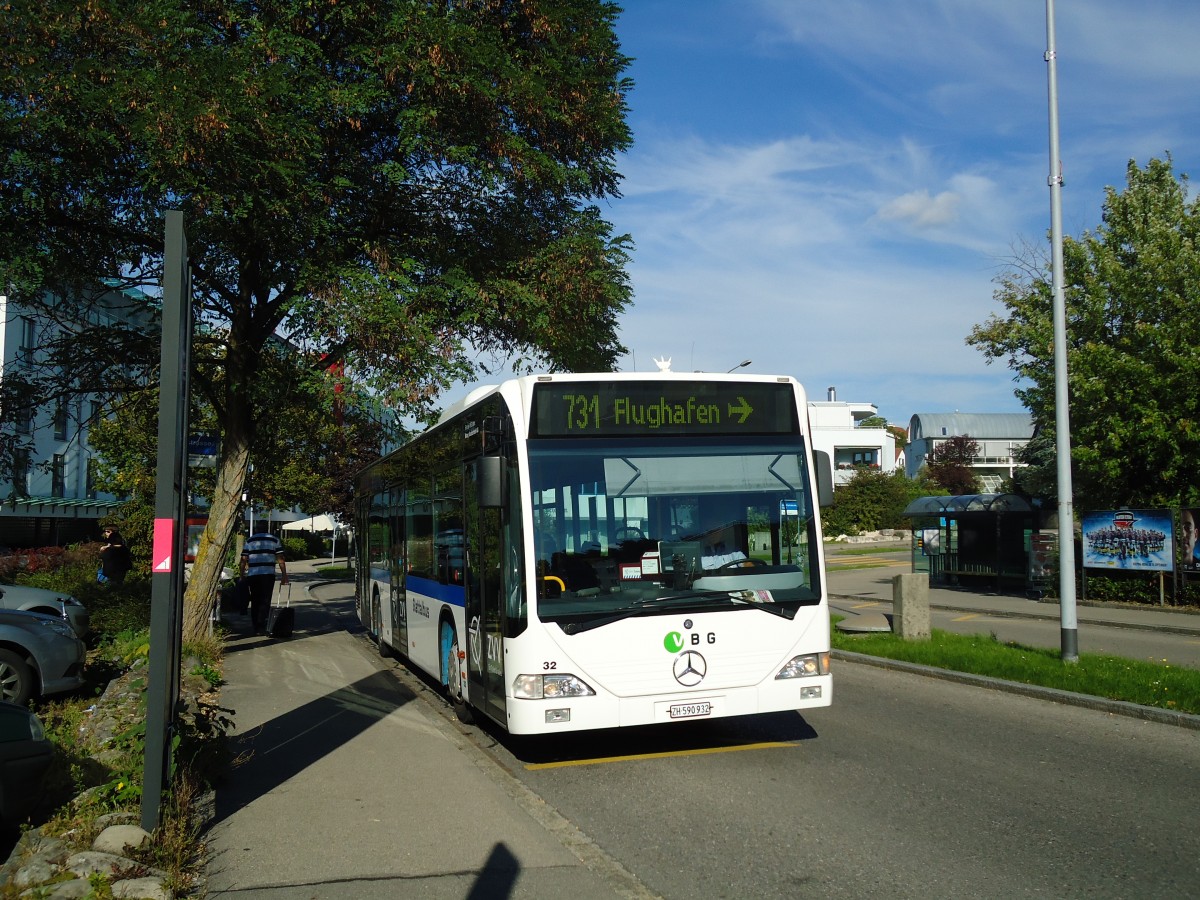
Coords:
pixel 312 523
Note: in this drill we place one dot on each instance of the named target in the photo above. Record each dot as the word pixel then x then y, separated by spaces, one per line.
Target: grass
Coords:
pixel 335 571
pixel 1112 677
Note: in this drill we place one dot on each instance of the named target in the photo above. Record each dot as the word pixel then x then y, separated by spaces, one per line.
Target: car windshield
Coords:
pixel 631 526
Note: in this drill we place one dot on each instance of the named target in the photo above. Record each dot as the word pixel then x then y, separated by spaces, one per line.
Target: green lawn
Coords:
pixel 1113 677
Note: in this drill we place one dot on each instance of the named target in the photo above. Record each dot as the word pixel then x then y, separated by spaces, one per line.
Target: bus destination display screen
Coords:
pixel 612 408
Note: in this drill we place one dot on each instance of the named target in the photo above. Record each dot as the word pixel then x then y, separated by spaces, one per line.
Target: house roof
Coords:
pixel 981 426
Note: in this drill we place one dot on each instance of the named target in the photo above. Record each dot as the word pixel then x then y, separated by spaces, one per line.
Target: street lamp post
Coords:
pixel 741 365
pixel 1069 637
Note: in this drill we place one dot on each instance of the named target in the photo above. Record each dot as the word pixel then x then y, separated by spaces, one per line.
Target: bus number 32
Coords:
pixel 549 665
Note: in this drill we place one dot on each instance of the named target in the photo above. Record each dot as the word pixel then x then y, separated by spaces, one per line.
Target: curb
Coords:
pixel 1054 695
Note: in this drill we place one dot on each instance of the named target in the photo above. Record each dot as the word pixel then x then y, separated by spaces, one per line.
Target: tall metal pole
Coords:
pixel 170 510
pixel 1062 420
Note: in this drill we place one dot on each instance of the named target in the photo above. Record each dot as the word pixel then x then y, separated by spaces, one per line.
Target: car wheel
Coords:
pixel 16 678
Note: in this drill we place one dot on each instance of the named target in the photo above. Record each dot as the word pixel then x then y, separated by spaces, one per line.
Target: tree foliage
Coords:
pixel 873 500
pixel 1133 326
pixel 948 465
pixel 405 187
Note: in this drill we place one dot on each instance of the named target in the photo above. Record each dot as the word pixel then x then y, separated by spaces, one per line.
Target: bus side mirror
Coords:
pixel 824 478
pixel 490 478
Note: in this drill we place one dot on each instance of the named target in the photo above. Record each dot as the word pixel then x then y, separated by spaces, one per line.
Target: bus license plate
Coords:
pixel 687 710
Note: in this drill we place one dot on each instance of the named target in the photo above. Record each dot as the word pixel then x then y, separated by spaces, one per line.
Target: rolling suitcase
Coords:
pixel 283 618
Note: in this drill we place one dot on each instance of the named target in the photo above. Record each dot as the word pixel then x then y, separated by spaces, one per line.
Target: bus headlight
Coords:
pixel 805 666
pixel 549 687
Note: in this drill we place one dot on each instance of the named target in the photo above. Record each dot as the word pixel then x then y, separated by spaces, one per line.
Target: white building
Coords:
pixel 1000 437
pixel 836 429
pixel 51 498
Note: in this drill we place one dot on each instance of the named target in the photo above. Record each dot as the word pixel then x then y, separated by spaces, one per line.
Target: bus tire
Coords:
pixel 454 685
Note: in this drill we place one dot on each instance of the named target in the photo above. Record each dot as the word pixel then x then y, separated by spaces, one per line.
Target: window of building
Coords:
pixel 28 340
pixel 24 421
pixel 21 472
pixel 61 419
pixel 58 476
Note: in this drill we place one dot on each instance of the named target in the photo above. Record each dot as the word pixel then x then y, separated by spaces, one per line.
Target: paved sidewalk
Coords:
pixel 352 784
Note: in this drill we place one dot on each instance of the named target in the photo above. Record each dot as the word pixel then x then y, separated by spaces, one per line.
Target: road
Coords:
pixel 906 787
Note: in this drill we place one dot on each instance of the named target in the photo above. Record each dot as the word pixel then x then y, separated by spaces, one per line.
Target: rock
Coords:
pixel 115 838
pixel 89 861
pixel 141 889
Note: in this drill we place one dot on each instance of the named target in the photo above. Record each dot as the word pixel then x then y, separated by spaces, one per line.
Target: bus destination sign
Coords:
pixel 604 408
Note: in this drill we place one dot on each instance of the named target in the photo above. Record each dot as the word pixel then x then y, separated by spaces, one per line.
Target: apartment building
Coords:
pixel 1000 437
pixel 837 429
pixel 51 496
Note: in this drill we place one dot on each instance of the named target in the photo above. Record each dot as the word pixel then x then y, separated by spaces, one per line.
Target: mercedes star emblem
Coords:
pixel 690 668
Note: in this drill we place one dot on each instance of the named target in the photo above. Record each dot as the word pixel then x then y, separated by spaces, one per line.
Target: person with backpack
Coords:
pixel 115 558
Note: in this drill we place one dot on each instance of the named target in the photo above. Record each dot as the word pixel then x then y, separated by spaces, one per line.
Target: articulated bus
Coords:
pixel 568 552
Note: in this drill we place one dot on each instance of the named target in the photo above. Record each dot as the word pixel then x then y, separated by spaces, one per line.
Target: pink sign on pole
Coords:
pixel 164 544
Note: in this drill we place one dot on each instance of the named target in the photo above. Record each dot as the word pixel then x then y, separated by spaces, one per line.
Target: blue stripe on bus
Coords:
pixel 454 594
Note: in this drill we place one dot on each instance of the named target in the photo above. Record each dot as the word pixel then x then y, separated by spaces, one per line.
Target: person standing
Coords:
pixel 115 559
pixel 261 553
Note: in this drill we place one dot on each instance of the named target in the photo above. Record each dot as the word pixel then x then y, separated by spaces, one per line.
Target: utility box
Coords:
pixel 910 605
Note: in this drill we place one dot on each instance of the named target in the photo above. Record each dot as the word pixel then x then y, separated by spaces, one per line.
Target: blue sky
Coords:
pixel 829 187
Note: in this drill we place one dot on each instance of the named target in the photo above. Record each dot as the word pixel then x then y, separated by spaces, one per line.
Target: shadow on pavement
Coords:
pixel 279 749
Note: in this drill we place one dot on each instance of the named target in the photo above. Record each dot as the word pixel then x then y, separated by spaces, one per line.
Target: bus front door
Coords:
pixel 485 648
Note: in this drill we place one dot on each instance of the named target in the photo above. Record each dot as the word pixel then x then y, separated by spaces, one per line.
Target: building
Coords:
pixel 837 430
pixel 51 497
pixel 1000 437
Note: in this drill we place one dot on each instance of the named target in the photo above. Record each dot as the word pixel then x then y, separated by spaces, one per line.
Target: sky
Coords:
pixel 829 188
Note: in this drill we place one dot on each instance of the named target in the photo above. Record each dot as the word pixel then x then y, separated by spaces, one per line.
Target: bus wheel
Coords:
pixel 453 674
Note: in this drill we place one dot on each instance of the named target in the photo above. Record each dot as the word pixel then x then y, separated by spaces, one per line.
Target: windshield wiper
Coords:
pixel 650 604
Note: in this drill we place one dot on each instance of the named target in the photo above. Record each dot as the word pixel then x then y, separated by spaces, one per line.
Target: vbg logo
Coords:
pixel 674 641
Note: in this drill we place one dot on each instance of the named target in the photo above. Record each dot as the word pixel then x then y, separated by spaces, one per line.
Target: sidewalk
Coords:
pixel 351 783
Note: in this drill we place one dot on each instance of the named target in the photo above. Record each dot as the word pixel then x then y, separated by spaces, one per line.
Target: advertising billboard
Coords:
pixel 1132 539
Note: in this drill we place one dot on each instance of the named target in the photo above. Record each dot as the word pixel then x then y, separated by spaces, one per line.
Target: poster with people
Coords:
pixel 1134 539
pixel 1189 545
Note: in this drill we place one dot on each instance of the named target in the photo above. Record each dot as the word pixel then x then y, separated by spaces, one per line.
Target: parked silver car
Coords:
pixel 39 655
pixel 50 603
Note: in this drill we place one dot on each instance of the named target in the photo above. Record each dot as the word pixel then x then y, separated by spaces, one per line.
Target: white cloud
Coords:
pixel 923 210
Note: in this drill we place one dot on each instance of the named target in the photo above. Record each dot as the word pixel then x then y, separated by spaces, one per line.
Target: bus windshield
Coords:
pixel 636 525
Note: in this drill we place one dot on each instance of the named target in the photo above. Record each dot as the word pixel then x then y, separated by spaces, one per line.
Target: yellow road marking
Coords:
pixel 967 618
pixel 768 745
pixel 864 605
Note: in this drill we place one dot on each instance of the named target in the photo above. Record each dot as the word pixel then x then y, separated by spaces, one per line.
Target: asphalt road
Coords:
pixel 906 787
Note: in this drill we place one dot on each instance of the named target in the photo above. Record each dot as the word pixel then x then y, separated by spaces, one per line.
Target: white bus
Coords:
pixel 567 552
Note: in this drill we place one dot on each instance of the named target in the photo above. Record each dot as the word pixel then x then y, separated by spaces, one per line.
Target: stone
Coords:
pixel 115 838
pixel 141 889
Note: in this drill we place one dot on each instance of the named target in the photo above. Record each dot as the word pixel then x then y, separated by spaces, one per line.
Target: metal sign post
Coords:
pixel 170 510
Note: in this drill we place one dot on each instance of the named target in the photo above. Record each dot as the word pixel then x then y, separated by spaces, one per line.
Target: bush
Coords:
pixel 304 545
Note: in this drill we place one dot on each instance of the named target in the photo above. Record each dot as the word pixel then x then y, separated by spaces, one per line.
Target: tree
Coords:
pixel 1133 326
pixel 872 500
pixel 404 188
pixel 948 465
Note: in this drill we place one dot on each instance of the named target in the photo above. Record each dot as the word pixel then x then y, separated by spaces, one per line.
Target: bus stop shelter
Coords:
pixel 973 539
